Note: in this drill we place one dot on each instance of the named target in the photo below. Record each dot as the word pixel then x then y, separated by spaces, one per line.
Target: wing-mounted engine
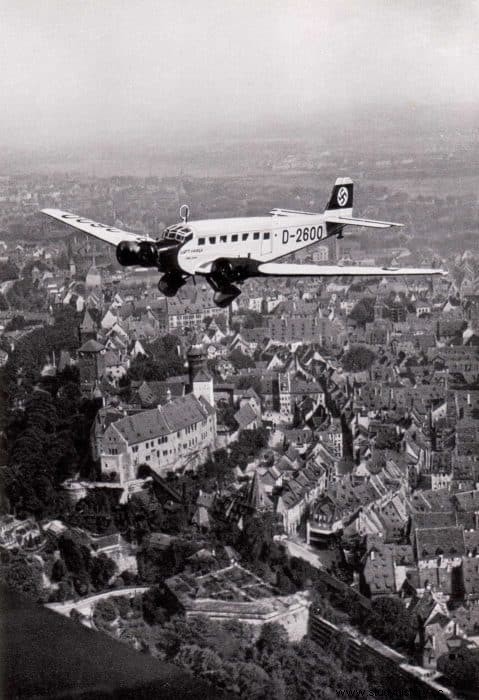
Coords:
pixel 161 254
pixel 141 253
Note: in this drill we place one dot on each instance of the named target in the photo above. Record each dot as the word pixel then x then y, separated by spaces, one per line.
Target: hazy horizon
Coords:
pixel 105 72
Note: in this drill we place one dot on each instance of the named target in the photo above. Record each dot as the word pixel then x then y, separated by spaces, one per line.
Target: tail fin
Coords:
pixel 341 199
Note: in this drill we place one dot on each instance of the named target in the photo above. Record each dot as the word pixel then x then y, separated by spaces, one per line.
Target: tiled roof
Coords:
pixel 379 568
pixel 436 541
pixel 428 520
pixel 176 415
pixel 245 416
pixel 91 346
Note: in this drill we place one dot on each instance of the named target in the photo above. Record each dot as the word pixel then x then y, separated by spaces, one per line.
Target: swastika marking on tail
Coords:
pixel 342 196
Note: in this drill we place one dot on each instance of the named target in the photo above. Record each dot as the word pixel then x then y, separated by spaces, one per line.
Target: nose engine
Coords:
pixel 142 253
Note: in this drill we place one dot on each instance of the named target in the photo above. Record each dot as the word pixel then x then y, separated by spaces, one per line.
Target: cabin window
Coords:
pixel 244 237
pixel 201 241
pixel 234 238
pixel 212 240
pixel 223 239
pixel 266 236
pixel 256 236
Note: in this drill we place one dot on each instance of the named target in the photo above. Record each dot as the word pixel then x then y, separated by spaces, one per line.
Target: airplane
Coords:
pixel 226 252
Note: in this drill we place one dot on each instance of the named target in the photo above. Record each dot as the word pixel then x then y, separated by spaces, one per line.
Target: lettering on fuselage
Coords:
pixel 307 234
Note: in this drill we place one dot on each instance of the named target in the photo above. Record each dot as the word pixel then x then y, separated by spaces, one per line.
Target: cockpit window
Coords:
pixel 178 232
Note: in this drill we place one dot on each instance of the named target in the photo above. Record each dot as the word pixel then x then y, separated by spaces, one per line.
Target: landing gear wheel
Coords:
pixel 170 283
pixel 225 296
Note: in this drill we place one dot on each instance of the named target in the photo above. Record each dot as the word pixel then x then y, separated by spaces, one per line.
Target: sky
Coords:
pixel 78 70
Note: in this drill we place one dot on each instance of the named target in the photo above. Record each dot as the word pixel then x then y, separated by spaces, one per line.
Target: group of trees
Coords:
pixel 48 440
pixel 240 360
pixel 76 570
pixel 163 360
pixel 461 668
pixel 26 294
pixel 238 454
pixel 230 655
pixel 48 443
pixel 21 572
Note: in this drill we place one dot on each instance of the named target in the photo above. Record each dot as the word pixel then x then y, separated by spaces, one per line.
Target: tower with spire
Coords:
pixel 201 381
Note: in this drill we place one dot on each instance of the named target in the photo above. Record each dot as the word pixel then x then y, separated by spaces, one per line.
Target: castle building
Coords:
pixel 175 437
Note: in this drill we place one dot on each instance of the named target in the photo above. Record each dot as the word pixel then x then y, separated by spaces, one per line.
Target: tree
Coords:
pixel 253 319
pixel 152 606
pixel 363 312
pixel 358 358
pixel 462 668
pixel 102 569
pixel 22 573
pixel 59 570
pixel 240 360
pixel 391 623
pixel 105 611
pixel 273 639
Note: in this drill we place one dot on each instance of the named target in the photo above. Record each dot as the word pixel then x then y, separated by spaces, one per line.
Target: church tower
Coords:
pixel 201 381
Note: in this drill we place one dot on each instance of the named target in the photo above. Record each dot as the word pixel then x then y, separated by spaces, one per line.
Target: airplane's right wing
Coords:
pixel 106 233
pixel 299 270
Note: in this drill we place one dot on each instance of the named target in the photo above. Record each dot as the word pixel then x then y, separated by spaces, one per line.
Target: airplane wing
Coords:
pixel 353 221
pixel 106 233
pixel 298 270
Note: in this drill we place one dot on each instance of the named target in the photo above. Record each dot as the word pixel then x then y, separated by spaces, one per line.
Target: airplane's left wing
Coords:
pixel 106 233
pixel 298 270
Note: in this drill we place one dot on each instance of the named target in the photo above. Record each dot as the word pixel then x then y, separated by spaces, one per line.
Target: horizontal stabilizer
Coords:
pixel 350 221
pixel 291 212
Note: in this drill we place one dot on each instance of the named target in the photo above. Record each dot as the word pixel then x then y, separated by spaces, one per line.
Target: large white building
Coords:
pixel 171 438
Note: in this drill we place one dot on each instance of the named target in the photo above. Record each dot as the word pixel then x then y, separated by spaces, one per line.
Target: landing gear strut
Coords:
pixel 170 283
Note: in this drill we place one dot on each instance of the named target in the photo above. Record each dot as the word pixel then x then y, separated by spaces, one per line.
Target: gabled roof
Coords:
pixel 91 346
pixel 157 422
pixel 245 416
